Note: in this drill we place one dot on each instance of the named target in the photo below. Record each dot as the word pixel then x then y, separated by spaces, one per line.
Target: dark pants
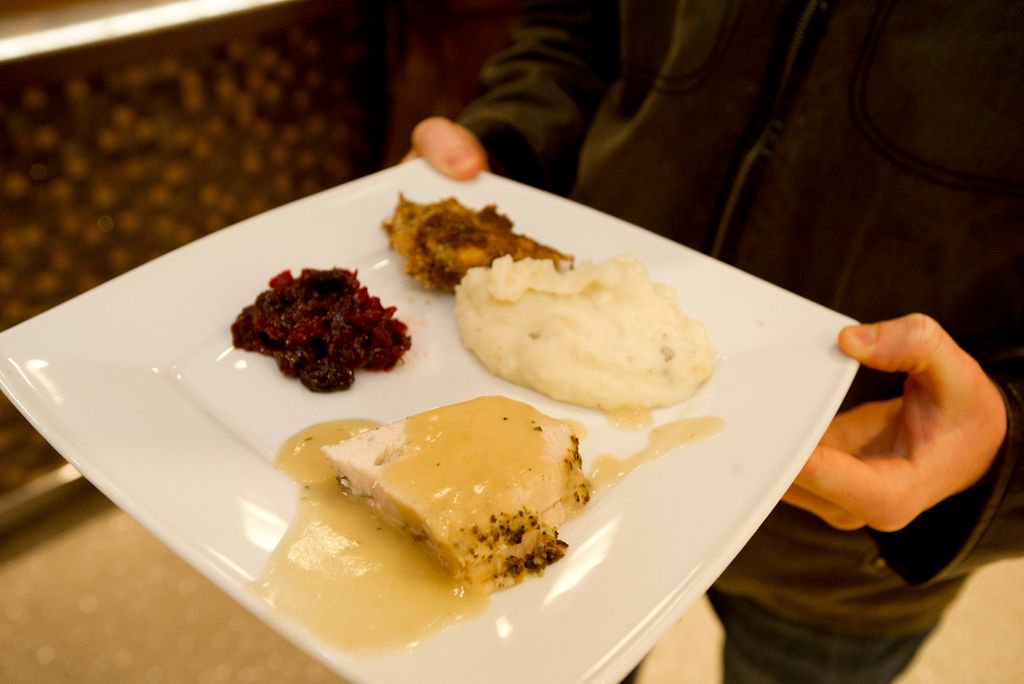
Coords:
pixel 761 648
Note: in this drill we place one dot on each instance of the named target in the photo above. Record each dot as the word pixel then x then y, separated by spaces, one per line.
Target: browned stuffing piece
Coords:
pixel 443 240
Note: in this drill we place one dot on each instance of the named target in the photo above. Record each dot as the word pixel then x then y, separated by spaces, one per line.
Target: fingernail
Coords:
pixel 460 161
pixel 864 335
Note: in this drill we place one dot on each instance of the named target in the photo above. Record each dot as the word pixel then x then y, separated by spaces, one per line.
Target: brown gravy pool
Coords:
pixel 346 575
pixel 358 583
pixel 629 418
pixel 662 439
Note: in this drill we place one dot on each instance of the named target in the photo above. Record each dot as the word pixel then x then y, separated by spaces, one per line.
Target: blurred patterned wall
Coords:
pixel 113 155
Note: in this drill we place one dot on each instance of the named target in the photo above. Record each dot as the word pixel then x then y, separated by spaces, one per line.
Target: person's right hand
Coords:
pixel 448 147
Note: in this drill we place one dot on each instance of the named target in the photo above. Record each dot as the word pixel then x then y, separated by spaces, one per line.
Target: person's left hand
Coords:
pixel 449 147
pixel 881 464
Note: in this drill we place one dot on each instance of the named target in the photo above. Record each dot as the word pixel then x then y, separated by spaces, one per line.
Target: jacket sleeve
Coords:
pixel 540 93
pixel 980 525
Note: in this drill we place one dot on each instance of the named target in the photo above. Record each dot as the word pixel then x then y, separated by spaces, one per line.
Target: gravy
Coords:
pixel 662 439
pixel 356 581
pixel 344 573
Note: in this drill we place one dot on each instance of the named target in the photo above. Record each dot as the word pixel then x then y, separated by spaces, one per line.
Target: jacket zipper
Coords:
pixel 759 146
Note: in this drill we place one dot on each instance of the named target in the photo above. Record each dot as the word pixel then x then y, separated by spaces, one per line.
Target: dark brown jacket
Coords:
pixel 867 155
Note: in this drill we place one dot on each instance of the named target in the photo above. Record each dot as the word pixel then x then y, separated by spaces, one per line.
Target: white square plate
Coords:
pixel 137 385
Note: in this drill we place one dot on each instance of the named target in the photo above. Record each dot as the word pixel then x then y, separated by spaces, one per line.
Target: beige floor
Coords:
pixel 980 642
pixel 89 596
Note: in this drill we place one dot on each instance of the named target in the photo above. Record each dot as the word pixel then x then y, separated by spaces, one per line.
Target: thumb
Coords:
pixel 448 147
pixel 914 344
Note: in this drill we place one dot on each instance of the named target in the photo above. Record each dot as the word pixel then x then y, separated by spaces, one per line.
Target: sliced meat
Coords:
pixel 483 484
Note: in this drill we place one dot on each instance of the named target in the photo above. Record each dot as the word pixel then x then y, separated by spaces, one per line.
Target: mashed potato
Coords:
pixel 602 336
